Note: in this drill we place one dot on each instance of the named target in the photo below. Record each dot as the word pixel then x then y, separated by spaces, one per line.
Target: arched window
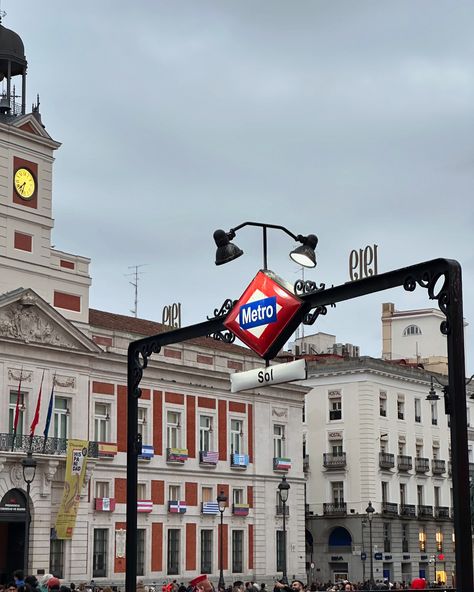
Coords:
pixel 412 330
pixel 339 537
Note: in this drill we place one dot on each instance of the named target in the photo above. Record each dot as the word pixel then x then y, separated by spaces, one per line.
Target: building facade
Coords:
pixel 198 438
pixel 373 436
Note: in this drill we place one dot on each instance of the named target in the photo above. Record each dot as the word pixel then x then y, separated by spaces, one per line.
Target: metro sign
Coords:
pixel 262 313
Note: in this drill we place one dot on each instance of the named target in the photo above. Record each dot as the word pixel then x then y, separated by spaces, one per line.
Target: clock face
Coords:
pixel 25 183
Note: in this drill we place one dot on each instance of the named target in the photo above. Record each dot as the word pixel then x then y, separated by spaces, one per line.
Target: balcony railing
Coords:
pixel 425 511
pixel 334 461
pixel 441 512
pixel 407 511
pixel 386 460
pixel 404 463
pixel 333 415
pixel 339 509
pixel 279 510
pixel 438 467
pixel 40 445
pixel 422 465
pixel 389 509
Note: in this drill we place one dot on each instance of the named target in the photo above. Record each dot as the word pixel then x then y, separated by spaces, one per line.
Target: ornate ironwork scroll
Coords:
pixel 307 287
pixel 430 280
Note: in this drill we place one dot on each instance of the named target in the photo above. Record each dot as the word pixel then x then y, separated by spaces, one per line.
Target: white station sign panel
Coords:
pixel 277 374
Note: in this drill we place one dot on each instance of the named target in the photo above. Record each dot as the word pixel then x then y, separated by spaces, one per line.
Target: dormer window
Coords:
pixel 411 330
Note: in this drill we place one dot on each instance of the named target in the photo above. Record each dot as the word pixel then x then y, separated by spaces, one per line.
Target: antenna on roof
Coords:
pixel 136 276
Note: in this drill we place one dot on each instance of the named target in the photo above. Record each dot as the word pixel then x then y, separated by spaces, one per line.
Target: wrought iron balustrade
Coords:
pixel 441 512
pixel 334 461
pixel 407 510
pixel 404 463
pixel 386 460
pixel 338 509
pixel 422 465
pixel 438 467
pixel 40 445
pixel 389 509
pixel 425 511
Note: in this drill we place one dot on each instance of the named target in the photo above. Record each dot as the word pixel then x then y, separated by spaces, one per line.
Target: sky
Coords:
pixel 352 121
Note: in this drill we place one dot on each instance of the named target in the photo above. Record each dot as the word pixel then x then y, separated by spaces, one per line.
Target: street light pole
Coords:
pixel 370 512
pixel 363 525
pixel 221 500
pixel 283 491
pixel 29 471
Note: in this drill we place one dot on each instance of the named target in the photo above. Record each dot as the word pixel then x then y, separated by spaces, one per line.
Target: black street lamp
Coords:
pixel 370 513
pixel 29 471
pixel 222 501
pixel 283 491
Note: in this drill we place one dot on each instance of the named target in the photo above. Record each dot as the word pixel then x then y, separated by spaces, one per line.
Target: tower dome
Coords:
pixel 11 50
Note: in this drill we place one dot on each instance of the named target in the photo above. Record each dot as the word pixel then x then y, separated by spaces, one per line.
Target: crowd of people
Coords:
pixel 49 583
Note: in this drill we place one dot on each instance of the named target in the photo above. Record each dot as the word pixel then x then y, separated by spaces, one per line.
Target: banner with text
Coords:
pixel 76 464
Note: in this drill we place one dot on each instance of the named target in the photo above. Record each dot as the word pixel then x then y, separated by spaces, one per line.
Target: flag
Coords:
pixel 210 508
pixel 240 509
pixel 281 464
pixel 144 506
pixel 239 460
pixel 176 507
pixel 50 411
pixel 35 421
pixel 17 408
pixel 208 457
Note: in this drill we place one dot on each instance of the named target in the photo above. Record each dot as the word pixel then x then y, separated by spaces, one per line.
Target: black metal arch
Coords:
pixel 443 281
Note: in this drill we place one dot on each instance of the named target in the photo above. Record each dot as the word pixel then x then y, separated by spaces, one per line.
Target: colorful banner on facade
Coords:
pixel 76 463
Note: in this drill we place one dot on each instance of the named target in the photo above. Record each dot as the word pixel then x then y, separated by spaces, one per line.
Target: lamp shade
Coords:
pixel 222 501
pixel 283 489
pixel 226 251
pixel 29 468
pixel 304 254
pixel 370 510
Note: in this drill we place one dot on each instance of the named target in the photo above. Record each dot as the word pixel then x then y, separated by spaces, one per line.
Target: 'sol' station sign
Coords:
pixel 262 316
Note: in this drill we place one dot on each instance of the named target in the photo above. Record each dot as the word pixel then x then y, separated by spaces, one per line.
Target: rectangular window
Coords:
pixel 101 422
pixel 422 539
pixel 387 536
pixel 236 436
pixel 280 551
pixel 102 489
pixel 206 551
pixel 401 447
pixel 439 540
pixel 383 404
pixel 173 429
pixel 419 450
pixel 237 551
pixel 384 492
pixel 142 423
pixel 61 418
pixel 141 491
pixel 141 552
pixel 419 494
pixel 21 411
pixel 401 408
pixel 335 409
pixel 207 495
pixel 337 489
pixel 238 496
pixel 173 551
pixel 174 492
pixel 418 410
pixel 56 558
pixel 434 413
pixel 405 538
pixel 99 567
pixel 403 494
pixel 278 440
pixel 437 496
pixel 205 433
pixel 337 447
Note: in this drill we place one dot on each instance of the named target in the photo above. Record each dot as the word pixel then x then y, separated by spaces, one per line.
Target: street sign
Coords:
pixel 241 381
pixel 263 312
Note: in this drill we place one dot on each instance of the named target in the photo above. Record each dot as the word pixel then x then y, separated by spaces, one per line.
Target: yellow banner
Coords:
pixel 76 463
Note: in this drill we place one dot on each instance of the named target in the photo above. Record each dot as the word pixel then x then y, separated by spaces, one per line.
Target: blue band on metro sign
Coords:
pixel 259 312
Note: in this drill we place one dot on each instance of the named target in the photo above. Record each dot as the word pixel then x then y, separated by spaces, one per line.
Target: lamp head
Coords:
pixel 432 395
pixel 283 489
pixel 226 251
pixel 222 501
pixel 370 510
pixel 305 255
pixel 29 468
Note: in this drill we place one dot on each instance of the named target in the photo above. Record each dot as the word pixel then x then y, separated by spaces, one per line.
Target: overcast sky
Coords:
pixel 350 120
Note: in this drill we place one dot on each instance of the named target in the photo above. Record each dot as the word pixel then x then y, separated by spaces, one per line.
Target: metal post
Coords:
pixel 221 584
pixel 284 579
pixel 371 555
pixel 27 530
pixel 265 259
pixel 363 524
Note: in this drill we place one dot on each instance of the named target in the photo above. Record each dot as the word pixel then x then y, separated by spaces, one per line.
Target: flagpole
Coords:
pixel 35 421
pixel 48 416
pixel 17 411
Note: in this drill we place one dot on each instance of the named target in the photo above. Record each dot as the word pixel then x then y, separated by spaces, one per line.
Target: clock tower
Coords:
pixel 27 259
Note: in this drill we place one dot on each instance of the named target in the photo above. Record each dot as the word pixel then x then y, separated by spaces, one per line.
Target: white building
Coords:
pixel 199 439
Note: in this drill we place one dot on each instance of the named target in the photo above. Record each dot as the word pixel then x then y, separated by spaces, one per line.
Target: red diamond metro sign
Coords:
pixel 262 313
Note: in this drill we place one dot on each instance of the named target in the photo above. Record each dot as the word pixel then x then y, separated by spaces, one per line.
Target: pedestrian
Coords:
pixel 11 587
pixel 43 583
pixel 19 578
pixel 53 584
pixel 202 584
